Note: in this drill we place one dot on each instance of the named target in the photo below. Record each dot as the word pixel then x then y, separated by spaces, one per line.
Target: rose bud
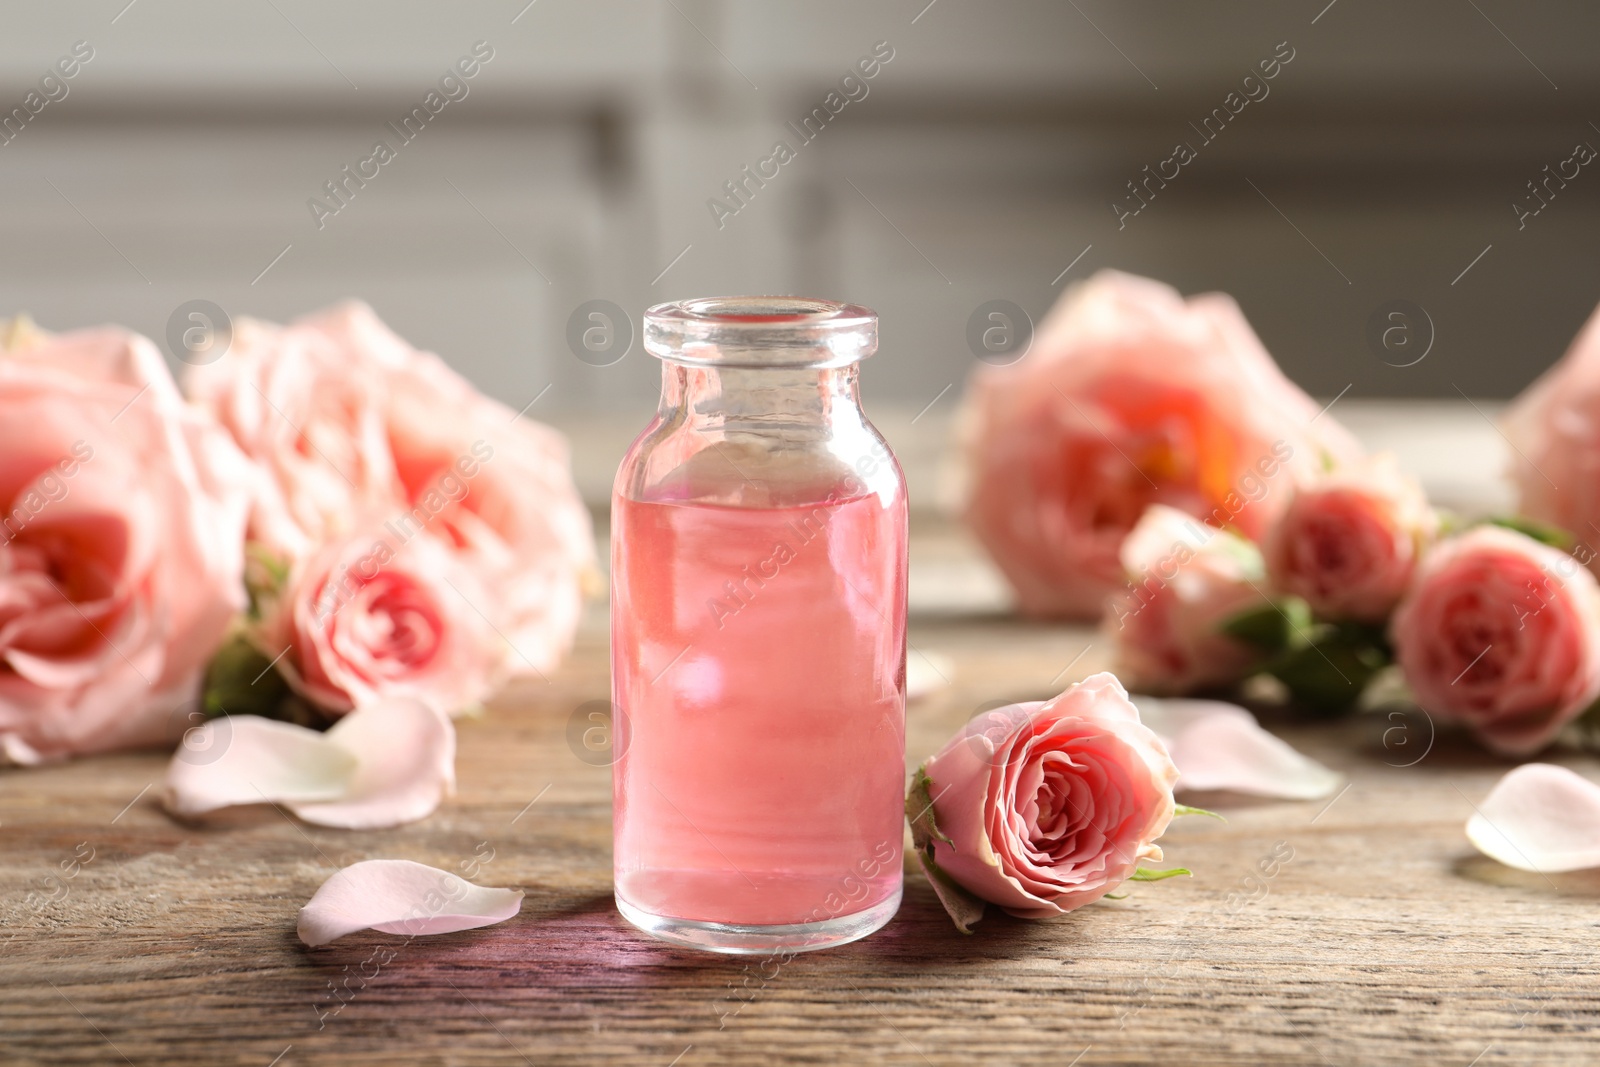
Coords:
pixel 368 619
pixel 1044 806
pixel 1350 540
pixel 1185 581
pixel 1501 633
pixel 1554 431
pixel 1129 396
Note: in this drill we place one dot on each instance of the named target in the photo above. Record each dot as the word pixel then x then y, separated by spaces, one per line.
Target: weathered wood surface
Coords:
pixel 1385 939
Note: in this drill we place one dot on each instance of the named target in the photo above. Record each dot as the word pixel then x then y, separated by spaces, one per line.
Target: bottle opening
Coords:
pixel 761 331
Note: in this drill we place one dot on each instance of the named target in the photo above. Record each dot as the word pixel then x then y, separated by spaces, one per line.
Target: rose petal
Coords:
pixel 383 764
pixel 401 897
pixel 404 756
pixel 245 759
pixel 1217 745
pixel 1539 818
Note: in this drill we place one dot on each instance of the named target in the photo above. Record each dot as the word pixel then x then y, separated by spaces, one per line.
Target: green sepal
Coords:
pixel 1185 809
pixel 242 680
pixel 919 811
pixel 961 905
pixel 1116 896
pixel 1544 533
pixel 1145 874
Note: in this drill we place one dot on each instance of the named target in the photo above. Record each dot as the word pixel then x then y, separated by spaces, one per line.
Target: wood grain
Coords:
pixel 1384 940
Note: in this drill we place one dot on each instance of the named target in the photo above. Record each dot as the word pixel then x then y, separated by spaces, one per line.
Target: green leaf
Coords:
pixel 1544 533
pixel 1145 874
pixel 1184 809
pixel 1329 674
pixel 1275 628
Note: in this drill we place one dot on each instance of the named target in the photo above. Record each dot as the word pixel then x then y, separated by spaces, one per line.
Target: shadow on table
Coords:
pixel 1479 868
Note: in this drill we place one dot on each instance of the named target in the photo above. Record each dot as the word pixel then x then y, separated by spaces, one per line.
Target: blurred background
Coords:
pixel 1402 152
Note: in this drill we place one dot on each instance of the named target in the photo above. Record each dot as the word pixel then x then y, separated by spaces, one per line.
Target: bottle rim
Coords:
pixel 760 332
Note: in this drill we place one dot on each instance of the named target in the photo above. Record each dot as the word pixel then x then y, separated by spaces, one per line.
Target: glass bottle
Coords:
pixel 758 621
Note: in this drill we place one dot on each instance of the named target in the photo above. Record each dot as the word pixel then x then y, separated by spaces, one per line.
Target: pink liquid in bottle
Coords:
pixel 760 708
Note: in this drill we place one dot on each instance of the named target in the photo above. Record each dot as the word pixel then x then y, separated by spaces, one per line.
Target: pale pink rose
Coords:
pixel 1349 541
pixel 1184 580
pixel 386 429
pixel 1554 430
pixel 1130 396
pixel 1501 633
pixel 369 619
pixel 1050 805
pixel 122 514
pixel 311 417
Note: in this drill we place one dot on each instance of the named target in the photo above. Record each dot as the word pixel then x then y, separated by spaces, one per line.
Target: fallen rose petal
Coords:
pixel 1220 746
pixel 383 764
pixel 246 759
pixel 404 755
pixel 1539 818
pixel 401 897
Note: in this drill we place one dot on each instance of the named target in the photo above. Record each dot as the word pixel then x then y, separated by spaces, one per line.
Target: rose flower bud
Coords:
pixel 1554 430
pixel 1501 633
pixel 1043 807
pixel 1350 540
pixel 1185 580
pixel 369 619
pixel 1129 396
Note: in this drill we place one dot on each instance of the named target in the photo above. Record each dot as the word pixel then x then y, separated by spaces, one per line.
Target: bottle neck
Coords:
pixel 768 398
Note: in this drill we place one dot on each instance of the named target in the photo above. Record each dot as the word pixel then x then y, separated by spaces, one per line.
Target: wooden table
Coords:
pixel 1384 939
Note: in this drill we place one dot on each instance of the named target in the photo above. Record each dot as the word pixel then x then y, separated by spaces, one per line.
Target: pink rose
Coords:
pixel 367 619
pixel 1130 396
pixel 360 423
pixel 122 515
pixel 1503 634
pixel 1184 581
pixel 1047 806
pixel 1350 540
pixel 1554 430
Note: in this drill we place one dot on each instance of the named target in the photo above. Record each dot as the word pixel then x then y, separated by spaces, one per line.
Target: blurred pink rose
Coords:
pixel 1130 396
pixel 1350 540
pixel 1554 430
pixel 1184 580
pixel 1051 805
pixel 1501 633
pixel 122 515
pixel 368 619
pixel 362 425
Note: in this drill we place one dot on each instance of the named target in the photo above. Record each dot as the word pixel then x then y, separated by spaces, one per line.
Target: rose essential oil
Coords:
pixel 758 648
